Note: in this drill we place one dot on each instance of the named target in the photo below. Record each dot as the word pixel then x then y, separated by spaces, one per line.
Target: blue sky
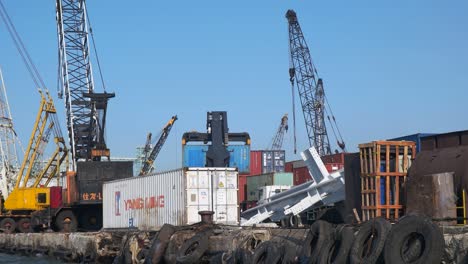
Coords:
pixel 390 68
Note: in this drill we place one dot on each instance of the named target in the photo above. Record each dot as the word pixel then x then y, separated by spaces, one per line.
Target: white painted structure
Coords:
pixel 326 188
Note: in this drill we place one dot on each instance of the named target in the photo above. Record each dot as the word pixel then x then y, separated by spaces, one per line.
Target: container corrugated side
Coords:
pixel 283 178
pixel 213 189
pixel 194 155
pixel 255 162
pixel 301 175
pixel 242 188
pixel 145 202
pixel 273 161
pixel 239 157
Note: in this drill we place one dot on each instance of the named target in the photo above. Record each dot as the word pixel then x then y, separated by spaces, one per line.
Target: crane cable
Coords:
pixel 26 58
pixel 94 48
pixel 293 112
pixel 292 73
pixel 342 143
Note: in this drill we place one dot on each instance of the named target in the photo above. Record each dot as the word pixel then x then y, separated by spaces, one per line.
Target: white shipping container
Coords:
pixel 173 197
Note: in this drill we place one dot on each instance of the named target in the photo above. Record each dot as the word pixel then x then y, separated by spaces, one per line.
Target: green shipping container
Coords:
pixel 277 178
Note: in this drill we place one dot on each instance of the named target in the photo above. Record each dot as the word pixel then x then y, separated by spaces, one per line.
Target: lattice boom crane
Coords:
pixel 85 109
pixel 310 87
pixel 148 163
pixel 277 142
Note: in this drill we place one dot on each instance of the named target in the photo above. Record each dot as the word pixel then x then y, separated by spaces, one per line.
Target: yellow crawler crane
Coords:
pixel 25 199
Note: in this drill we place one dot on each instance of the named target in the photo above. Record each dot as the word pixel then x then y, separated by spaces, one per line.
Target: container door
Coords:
pixel 199 196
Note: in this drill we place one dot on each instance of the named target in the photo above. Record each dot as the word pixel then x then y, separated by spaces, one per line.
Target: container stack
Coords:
pixel 384 168
pixel 262 162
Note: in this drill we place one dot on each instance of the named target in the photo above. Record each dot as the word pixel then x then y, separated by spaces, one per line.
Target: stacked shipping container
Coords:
pixel 195 156
pixel 257 181
pixel 261 162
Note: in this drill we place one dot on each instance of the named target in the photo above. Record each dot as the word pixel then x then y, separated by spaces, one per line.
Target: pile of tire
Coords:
pixel 413 239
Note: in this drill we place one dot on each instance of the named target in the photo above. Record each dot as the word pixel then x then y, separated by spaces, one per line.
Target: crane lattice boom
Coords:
pixel 149 161
pixel 85 109
pixel 8 140
pixel 310 87
pixel 277 142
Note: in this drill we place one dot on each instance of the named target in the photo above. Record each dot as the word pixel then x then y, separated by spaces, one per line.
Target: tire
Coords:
pixel 8 225
pixel 319 236
pixel 24 225
pixel 337 252
pixel 289 252
pixel 374 232
pixel 159 245
pixel 415 240
pixel 69 216
pixel 242 256
pixel 275 253
pixel 193 249
pixel 217 259
pixel 91 220
pixel 294 221
pixel 36 223
pixel 267 252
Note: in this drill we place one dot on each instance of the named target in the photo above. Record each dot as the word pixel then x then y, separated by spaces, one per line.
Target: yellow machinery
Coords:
pixel 35 197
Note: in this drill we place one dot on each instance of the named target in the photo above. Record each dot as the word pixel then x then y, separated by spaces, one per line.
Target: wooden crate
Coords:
pixel 384 167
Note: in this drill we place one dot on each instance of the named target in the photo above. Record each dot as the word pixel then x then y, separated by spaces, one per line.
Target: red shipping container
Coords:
pixel 333 158
pixel 255 162
pixel 242 187
pixel 301 175
pixel 288 167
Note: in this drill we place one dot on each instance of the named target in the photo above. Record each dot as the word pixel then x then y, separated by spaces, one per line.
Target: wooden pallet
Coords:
pixel 384 165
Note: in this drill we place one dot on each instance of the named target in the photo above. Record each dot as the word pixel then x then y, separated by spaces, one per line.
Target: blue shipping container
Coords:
pixel 415 138
pixel 240 157
pixel 195 156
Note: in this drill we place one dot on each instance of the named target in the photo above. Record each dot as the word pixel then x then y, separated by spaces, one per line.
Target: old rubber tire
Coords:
pixel 193 249
pixel 284 222
pixel 290 250
pixel 319 236
pixel 267 252
pixel 415 240
pixel 8 225
pixel 275 253
pixel 66 215
pixel 90 220
pixel 242 256
pixel 338 250
pixel 159 245
pixel 294 221
pixel 24 225
pixel 370 241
